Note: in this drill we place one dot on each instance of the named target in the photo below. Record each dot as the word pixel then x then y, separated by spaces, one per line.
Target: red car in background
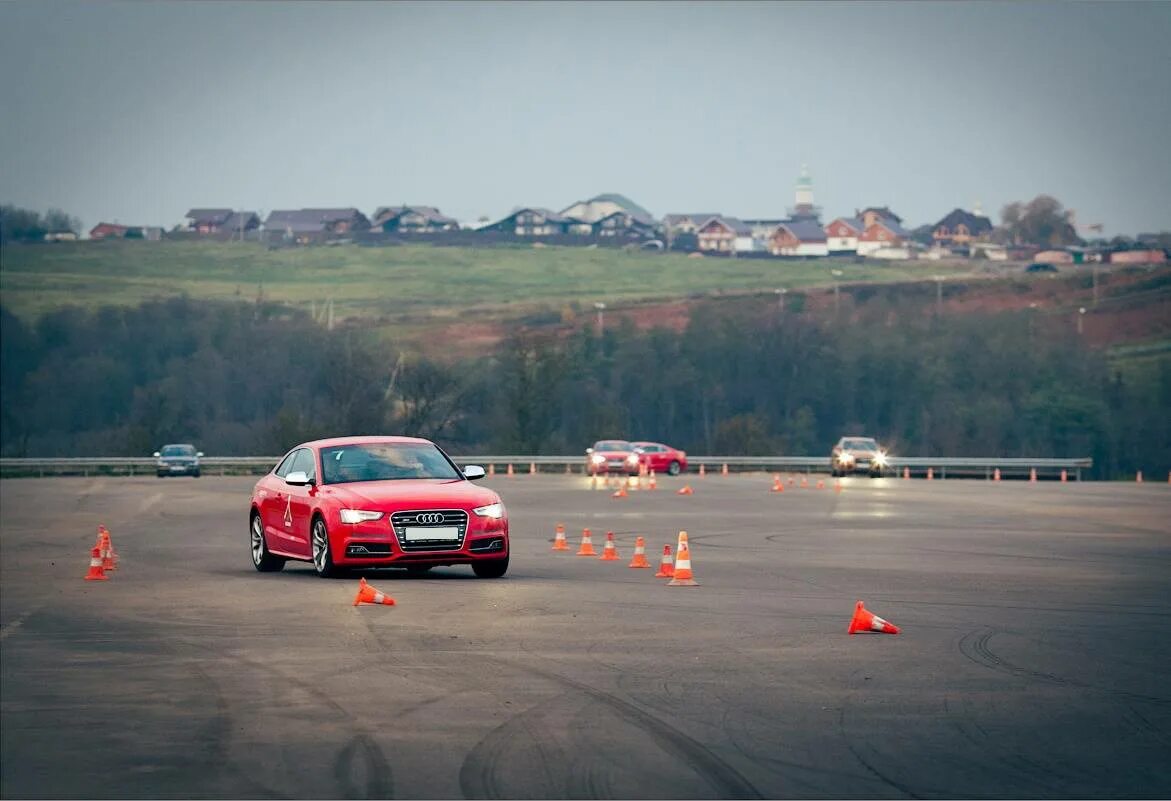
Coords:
pixel 365 502
pixel 611 456
pixel 661 458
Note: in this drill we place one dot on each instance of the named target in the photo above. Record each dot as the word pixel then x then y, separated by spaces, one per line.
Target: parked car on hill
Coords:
pixel 367 502
pixel 858 455
pixel 178 459
pixel 611 456
pixel 660 458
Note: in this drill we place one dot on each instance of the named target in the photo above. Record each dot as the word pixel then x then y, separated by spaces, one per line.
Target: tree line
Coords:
pixel 257 378
pixel 26 225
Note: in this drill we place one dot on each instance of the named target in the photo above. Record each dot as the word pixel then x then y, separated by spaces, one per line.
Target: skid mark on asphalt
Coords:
pixel 15 625
pixel 864 762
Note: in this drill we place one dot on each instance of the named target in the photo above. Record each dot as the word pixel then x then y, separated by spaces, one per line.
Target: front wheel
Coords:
pixel 322 558
pixel 195 474
pixel 490 568
pixel 673 468
pixel 262 560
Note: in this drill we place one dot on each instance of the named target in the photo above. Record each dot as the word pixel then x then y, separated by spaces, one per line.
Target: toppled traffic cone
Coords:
pixel 610 551
pixel 868 621
pixel 666 564
pixel 777 485
pixel 559 541
pixel 639 559
pixel 683 577
pixel 369 595
pixel 96 573
pixel 621 493
pixel 587 544
pixel 685 490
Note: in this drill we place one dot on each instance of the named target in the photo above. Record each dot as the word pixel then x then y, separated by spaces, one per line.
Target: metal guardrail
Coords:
pixel 258 465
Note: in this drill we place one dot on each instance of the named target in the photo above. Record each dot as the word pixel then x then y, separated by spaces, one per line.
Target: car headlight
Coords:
pixel 880 459
pixel 492 510
pixel 352 516
pixel 845 457
pixel 632 458
pixel 597 458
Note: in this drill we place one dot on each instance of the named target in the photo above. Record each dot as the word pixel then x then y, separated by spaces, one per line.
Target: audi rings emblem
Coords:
pixel 429 518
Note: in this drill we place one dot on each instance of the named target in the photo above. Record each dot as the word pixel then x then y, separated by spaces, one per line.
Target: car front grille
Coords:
pixel 457 518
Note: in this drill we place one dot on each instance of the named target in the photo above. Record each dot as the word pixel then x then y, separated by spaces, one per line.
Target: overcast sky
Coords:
pixel 136 112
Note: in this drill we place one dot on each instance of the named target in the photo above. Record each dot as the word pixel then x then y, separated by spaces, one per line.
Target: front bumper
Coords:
pixel 373 544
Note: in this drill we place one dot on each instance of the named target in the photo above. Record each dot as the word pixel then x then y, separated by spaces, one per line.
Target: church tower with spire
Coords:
pixel 804 208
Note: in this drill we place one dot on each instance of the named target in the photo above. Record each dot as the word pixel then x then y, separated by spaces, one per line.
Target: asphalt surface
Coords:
pixel 1033 658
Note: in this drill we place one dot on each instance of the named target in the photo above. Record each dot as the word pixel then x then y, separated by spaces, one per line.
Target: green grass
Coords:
pixel 399 284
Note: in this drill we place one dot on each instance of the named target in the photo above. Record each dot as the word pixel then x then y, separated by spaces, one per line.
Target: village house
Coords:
pixel 872 214
pixel 884 235
pixel 961 228
pixel 207 221
pixel 108 231
pixel 625 224
pixel 598 208
pixel 535 221
pixel 412 220
pixel 842 234
pixel 724 235
pixel 305 225
pixel 804 237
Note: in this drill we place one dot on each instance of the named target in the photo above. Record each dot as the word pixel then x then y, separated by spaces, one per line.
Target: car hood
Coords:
pixel 410 494
pixel 613 454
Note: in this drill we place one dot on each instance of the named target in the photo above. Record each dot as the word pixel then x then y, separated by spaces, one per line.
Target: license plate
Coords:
pixel 436 533
pixel 178 467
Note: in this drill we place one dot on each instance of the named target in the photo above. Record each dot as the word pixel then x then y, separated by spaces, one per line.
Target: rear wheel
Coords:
pixel 262 560
pixel 673 468
pixel 322 558
pixel 490 568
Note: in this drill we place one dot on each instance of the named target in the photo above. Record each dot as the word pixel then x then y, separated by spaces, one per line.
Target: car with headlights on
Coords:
pixel 178 459
pixel 858 455
pixel 611 456
pixel 660 458
pixel 370 502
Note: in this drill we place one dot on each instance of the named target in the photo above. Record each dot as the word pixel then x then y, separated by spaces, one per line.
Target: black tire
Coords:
pixel 262 560
pixel 490 568
pixel 673 468
pixel 195 474
pixel 161 475
pixel 322 557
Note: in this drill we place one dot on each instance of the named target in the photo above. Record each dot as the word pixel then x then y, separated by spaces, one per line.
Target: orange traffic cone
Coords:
pixel 510 471
pixel 653 484
pixel 837 485
pixel 107 552
pixel 594 481
pixel 587 544
pixel 682 577
pixel 906 472
pixel 724 470
pixel 930 473
pixel 610 551
pixel 1064 477
pixel 820 484
pixel 369 595
pixel 491 469
pixel 559 541
pixel 804 482
pixel 685 490
pixel 532 468
pixel 1138 477
pixel 96 573
pixel 777 485
pixel 621 493
pixel 996 475
pixel 639 559
pixel 666 564
pixel 702 472
pixel 867 621
pixel 1032 475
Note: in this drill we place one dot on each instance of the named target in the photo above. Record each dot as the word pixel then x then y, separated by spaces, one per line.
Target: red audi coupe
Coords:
pixel 365 502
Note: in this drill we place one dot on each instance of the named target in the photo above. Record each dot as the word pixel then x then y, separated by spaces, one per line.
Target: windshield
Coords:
pixel 384 462
pixel 860 445
pixel 178 450
pixel 612 445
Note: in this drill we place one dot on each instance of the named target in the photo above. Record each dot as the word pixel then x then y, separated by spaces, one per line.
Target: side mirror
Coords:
pixel 198 454
pixel 473 472
pixel 298 478
pixel 157 454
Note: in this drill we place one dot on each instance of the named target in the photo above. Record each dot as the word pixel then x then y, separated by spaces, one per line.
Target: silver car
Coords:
pixel 177 460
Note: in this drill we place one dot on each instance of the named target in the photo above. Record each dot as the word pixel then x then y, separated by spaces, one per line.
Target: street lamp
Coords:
pixel 601 307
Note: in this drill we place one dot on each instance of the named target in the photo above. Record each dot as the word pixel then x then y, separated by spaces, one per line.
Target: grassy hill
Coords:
pixel 396 283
